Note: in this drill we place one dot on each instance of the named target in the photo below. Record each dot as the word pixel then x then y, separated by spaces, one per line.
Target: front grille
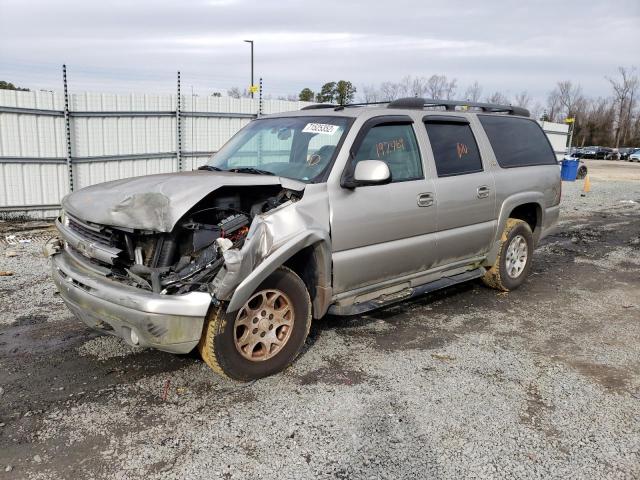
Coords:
pixel 100 235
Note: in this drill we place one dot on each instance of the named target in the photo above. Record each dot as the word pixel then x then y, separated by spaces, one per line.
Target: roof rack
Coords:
pixel 421 103
pixel 450 105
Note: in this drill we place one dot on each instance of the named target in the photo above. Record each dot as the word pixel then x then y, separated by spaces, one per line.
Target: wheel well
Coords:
pixel 529 212
pixel 310 264
pixel 302 264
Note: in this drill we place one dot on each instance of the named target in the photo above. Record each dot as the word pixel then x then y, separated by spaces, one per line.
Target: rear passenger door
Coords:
pixel 465 190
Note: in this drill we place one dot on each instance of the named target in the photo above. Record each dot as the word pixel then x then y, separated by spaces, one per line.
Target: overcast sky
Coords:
pixel 138 45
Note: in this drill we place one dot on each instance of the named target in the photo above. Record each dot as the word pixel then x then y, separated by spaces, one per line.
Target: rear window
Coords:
pixel 517 142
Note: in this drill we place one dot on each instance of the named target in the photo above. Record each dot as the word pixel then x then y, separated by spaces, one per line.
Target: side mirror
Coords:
pixel 368 172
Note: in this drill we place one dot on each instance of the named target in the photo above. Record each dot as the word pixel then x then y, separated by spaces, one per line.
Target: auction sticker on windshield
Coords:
pixel 324 128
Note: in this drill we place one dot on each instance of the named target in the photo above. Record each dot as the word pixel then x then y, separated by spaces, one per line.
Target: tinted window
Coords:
pixel 517 142
pixel 396 146
pixel 454 148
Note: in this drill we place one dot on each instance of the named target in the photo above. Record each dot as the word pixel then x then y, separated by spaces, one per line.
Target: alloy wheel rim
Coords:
pixel 516 257
pixel 263 325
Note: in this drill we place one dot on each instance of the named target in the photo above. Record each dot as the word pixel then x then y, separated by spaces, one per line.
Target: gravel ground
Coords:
pixel 542 382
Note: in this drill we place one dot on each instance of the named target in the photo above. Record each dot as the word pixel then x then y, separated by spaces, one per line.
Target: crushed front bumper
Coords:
pixel 172 323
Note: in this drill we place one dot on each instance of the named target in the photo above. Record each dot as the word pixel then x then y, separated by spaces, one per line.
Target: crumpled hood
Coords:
pixel 157 202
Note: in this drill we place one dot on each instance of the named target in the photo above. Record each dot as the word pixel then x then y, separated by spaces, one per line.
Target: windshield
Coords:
pixel 301 148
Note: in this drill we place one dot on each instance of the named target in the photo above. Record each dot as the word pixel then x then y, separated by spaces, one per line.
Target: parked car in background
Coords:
pixel 595 152
pixel 626 151
pixel 613 154
pixel 635 156
pixel 574 152
pixel 588 152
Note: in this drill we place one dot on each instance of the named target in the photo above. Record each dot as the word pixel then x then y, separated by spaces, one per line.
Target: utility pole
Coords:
pixel 251 88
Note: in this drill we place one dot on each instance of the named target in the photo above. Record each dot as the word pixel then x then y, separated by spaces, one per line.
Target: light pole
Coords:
pixel 251 42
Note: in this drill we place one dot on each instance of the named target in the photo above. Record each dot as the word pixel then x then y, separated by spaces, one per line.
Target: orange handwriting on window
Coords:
pixel 461 149
pixel 385 148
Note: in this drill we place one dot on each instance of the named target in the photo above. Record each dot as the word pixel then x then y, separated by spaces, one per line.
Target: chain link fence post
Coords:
pixel 67 128
pixel 260 99
pixel 179 126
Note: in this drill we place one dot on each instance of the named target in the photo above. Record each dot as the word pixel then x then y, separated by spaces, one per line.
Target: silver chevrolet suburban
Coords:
pixel 331 209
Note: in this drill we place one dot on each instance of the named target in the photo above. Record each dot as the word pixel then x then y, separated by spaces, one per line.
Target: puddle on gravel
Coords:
pixel 611 378
pixel 29 320
pixel 334 373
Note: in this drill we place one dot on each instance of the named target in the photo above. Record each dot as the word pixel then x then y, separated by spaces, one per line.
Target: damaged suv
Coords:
pixel 331 209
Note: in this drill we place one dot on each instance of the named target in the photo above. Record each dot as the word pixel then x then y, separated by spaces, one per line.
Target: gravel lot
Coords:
pixel 542 382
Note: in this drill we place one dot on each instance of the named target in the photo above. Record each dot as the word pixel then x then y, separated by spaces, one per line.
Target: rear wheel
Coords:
pixel 514 257
pixel 265 335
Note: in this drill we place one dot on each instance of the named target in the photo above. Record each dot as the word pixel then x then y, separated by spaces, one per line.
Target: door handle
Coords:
pixel 425 199
pixel 483 191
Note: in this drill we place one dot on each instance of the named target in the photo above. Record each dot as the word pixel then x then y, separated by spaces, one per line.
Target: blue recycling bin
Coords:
pixel 569 170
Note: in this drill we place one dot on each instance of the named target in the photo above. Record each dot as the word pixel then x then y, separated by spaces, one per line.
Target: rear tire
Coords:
pixel 514 257
pixel 265 335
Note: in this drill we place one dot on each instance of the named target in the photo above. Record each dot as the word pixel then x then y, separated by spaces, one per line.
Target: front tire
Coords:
pixel 265 335
pixel 514 257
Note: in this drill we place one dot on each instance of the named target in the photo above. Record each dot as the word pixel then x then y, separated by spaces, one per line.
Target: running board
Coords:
pixel 391 298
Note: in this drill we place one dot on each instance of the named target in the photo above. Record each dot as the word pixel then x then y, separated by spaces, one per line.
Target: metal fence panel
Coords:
pixel 113 136
pixel 557 134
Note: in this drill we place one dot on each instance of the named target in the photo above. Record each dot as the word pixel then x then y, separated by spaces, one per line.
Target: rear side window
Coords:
pixel 517 142
pixel 454 148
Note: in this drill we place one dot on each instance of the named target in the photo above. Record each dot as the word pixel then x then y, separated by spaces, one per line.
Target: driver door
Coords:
pixel 381 232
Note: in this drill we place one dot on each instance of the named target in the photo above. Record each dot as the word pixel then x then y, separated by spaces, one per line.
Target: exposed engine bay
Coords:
pixel 191 255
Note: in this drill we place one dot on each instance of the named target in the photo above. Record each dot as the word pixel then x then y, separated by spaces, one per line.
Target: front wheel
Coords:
pixel 514 257
pixel 265 335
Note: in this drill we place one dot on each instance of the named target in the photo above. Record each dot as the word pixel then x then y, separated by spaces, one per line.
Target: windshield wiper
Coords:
pixel 211 168
pixel 254 171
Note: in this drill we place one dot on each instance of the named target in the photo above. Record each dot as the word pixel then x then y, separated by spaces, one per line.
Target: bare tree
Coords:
pixel 450 89
pixel 370 94
pixel 553 106
pixel 602 121
pixel 522 99
pixel 440 87
pixel 290 97
pixel 473 92
pixel 234 92
pixel 624 90
pixel 389 91
pixel 404 86
pixel 418 87
pixel 537 110
pixel 569 96
pixel 499 98
pixel 595 122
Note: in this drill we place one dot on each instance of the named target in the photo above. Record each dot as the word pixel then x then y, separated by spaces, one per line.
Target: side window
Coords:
pixel 454 148
pixel 395 145
pixel 517 142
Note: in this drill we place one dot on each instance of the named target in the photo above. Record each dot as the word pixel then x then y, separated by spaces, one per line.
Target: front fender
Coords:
pixel 276 259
